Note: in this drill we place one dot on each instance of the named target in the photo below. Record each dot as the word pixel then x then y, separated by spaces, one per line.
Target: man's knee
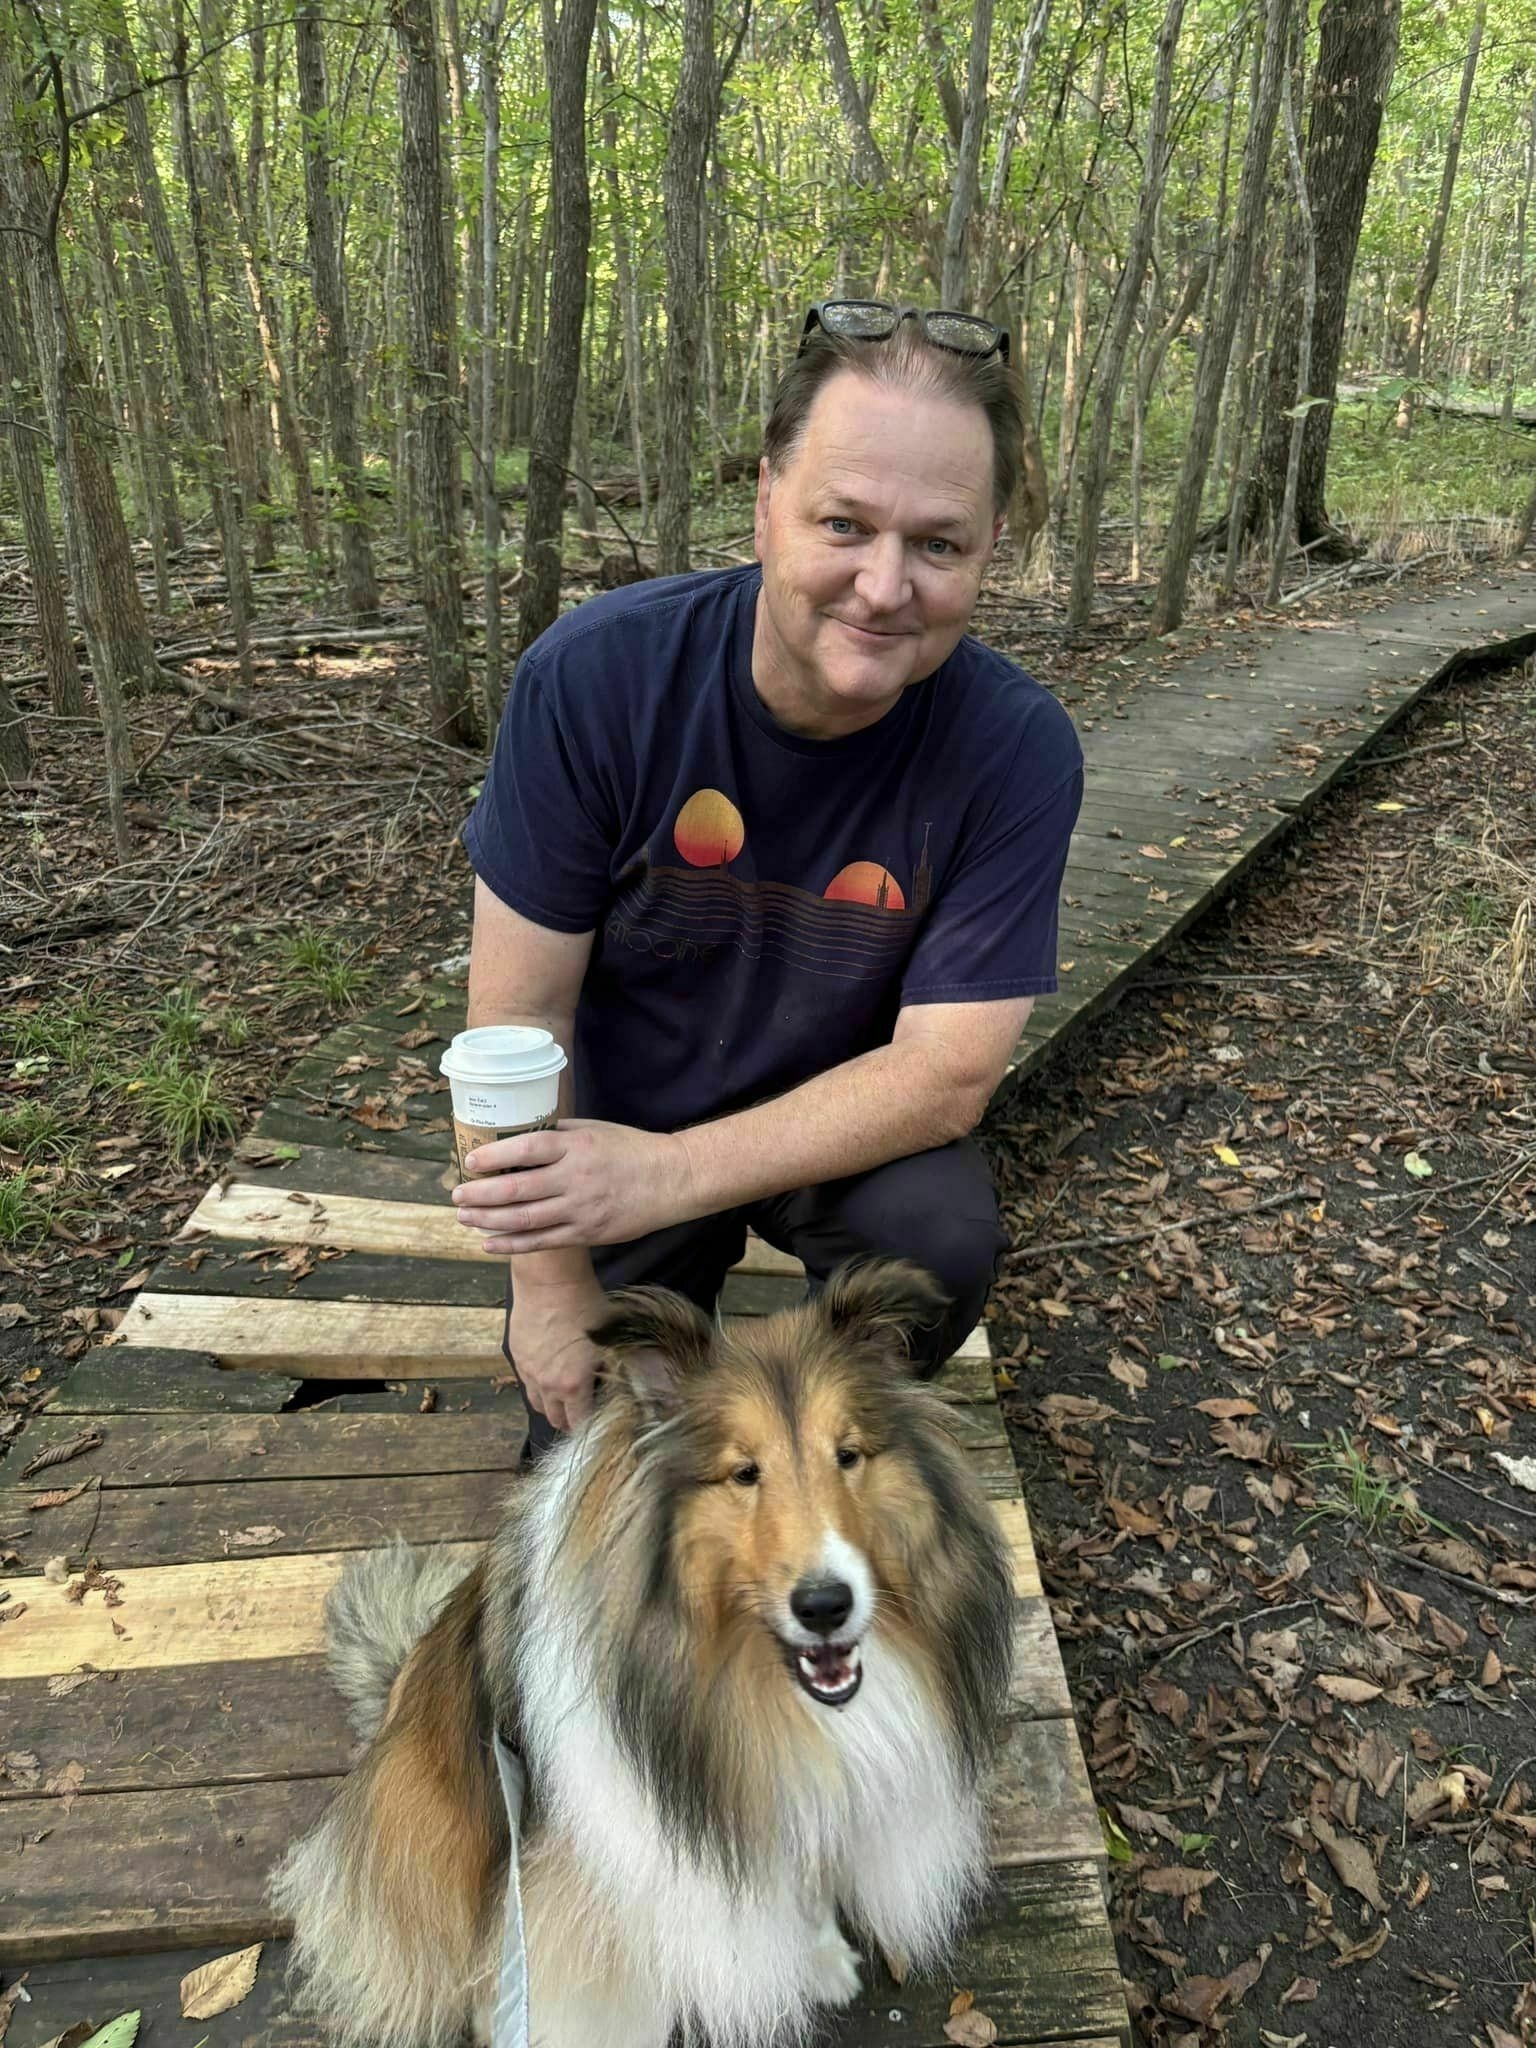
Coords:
pixel 937 1209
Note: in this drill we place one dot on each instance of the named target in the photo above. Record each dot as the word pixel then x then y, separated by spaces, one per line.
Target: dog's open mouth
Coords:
pixel 831 1673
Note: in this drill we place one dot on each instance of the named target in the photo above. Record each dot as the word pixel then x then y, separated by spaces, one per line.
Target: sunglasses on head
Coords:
pixel 963 334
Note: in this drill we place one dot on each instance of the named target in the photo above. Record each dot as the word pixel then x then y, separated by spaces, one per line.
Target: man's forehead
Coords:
pixel 864 440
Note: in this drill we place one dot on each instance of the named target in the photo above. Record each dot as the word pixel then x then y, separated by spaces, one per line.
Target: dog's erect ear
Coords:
pixel 653 1339
pixel 883 1302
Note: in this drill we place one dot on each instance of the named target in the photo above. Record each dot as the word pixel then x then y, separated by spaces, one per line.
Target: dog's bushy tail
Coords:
pixel 376 1613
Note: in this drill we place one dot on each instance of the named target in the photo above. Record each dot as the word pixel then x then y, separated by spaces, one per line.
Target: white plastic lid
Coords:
pixel 502 1052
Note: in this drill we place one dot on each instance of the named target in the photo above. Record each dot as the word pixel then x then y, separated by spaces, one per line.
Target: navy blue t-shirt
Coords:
pixel 764 903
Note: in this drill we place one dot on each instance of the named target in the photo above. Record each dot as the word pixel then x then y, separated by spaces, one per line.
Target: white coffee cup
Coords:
pixel 505 1078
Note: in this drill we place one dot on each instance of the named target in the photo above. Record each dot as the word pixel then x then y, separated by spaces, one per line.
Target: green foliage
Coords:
pixel 183 1105
pixel 35 1131
pixel 321 967
pixel 24 1214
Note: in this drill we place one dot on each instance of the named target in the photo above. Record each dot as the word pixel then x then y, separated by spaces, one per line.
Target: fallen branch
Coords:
pixel 1117 1237
pixel 1499 1593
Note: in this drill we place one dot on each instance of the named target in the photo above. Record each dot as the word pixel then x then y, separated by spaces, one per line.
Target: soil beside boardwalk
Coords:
pixel 1271 1455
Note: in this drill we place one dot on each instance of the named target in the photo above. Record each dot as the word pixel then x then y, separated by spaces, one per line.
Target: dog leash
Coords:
pixel 509 2017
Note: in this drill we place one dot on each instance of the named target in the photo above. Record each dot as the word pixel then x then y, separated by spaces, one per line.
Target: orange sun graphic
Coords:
pixel 865 881
pixel 709 829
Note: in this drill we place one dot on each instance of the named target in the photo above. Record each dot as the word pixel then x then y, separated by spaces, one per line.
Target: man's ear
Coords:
pixel 882 1302
pixel 652 1340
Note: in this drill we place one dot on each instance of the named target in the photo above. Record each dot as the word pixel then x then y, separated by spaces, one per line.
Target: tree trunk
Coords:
pixel 211 396
pixel 492 685
pixel 360 588
pixel 65 693
pixel 1285 525
pixel 1429 269
pixel 195 367
pixel 1357 48
pixel 424 233
pixel 100 559
pixel 1076 271
pixel 1106 390
pixel 867 167
pixel 1242 247
pixel 684 196
pixel 567 50
pixel 1514 323
pixel 623 266
pixel 15 747
pixel 962 201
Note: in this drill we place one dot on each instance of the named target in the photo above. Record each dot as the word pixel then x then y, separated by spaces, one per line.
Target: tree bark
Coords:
pixel 1357 49
pixel 360 588
pixel 1242 248
pixel 424 232
pixel 567 50
pixel 1514 323
pixel 15 747
pixel 962 203
pixel 623 265
pixel 1429 269
pixel 867 166
pixel 684 191
pixel 1285 524
pixel 1106 388
pixel 96 541
pixel 490 505
pixel 65 692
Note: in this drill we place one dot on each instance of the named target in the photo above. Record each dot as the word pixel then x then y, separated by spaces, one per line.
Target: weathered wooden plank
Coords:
pixel 168 1525
pixel 236 1608
pixel 231 1611
pixel 192 1724
pixel 145 1870
pixel 1039 1962
pixel 1038 1689
pixel 1042 1803
pixel 151 1379
pixel 200 1449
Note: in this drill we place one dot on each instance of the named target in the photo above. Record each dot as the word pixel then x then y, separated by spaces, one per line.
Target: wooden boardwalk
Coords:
pixel 265 1410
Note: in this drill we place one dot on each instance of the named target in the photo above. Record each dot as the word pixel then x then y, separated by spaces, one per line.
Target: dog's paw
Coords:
pixel 835 1968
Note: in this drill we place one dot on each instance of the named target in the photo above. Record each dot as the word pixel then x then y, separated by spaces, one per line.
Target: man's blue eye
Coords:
pixel 840 525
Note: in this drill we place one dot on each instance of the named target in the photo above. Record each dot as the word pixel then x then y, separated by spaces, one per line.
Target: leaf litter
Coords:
pixel 1278 1457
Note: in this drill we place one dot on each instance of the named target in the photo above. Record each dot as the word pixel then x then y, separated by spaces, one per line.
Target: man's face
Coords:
pixel 873 538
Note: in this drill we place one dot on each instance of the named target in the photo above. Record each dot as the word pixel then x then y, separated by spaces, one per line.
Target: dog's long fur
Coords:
pixel 697 1818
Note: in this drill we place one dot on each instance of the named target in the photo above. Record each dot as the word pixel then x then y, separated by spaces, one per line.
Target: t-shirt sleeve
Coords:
pixel 541 834
pixel 991 934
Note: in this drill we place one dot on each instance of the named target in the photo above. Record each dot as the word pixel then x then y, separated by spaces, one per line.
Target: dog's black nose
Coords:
pixel 822 1605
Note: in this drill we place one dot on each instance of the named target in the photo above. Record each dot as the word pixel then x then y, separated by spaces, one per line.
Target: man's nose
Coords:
pixel 883 581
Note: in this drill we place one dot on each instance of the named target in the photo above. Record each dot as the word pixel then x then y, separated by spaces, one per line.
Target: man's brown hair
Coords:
pixel 906 361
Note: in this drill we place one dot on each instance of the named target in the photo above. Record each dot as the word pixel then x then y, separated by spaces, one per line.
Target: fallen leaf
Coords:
pixel 215 1987
pixel 1417 1165
pixel 61 1495
pixel 1135 1519
pixel 119 2033
pixel 1300 1991
pixel 1128 1372
pixel 1493 1670
pixel 1224 1410
pixel 256 1538
pixel 1167 1699
pixel 9 1999
pixel 12 1313
pixel 1354 1691
pixel 1228 1158
pixel 1249 1444
pixel 60 1687
pixel 1176 1880
pixel 1362 1951
pixel 970 2029
pixel 1351 1861
pixel 1152 852
pixel 59 1454
pixel 1521 1470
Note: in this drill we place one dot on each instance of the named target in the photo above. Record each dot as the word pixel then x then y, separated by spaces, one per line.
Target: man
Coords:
pixel 775 854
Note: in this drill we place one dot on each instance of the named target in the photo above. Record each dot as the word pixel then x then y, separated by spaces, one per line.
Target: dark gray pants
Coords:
pixel 936 1208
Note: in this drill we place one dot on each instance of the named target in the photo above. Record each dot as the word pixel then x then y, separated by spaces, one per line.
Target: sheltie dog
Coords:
pixel 749 1631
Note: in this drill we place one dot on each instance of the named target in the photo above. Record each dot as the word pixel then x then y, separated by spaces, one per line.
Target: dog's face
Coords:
pixel 803 1474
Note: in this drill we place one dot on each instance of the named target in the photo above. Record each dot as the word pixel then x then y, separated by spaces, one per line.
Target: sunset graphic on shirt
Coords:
pixel 858 924
pixel 709 830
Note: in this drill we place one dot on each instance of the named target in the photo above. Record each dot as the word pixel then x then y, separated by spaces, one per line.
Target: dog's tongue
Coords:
pixel 831 1672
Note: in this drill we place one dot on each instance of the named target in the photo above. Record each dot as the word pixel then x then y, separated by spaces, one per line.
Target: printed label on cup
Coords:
pixel 468 1138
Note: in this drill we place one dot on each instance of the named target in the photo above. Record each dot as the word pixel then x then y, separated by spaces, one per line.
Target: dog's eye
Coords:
pixel 744 1475
pixel 848 1457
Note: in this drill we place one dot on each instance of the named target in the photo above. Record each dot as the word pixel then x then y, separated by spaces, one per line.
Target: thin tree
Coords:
pixel 1356 53
pixel 101 568
pixel 27 439
pixel 867 164
pixel 490 504
pixel 1241 250
pixel 1122 321
pixel 1285 524
pixel 684 200
pixel 1514 320
pixel 359 585
pixel 1434 249
pixel 424 236
pixel 963 192
pixel 567 49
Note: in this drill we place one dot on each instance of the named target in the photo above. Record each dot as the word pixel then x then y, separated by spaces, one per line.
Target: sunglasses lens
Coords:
pixel 859 319
pixel 961 332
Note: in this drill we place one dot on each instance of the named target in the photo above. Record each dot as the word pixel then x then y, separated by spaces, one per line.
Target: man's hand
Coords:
pixel 579 1184
pixel 555 1360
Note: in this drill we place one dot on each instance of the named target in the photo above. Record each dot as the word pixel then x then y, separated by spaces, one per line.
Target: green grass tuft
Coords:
pixel 184 1105
pixel 24 1215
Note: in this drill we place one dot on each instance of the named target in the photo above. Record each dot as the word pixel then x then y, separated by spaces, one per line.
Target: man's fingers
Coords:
pixel 474 1197
pixel 550 1240
pixel 515 1155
